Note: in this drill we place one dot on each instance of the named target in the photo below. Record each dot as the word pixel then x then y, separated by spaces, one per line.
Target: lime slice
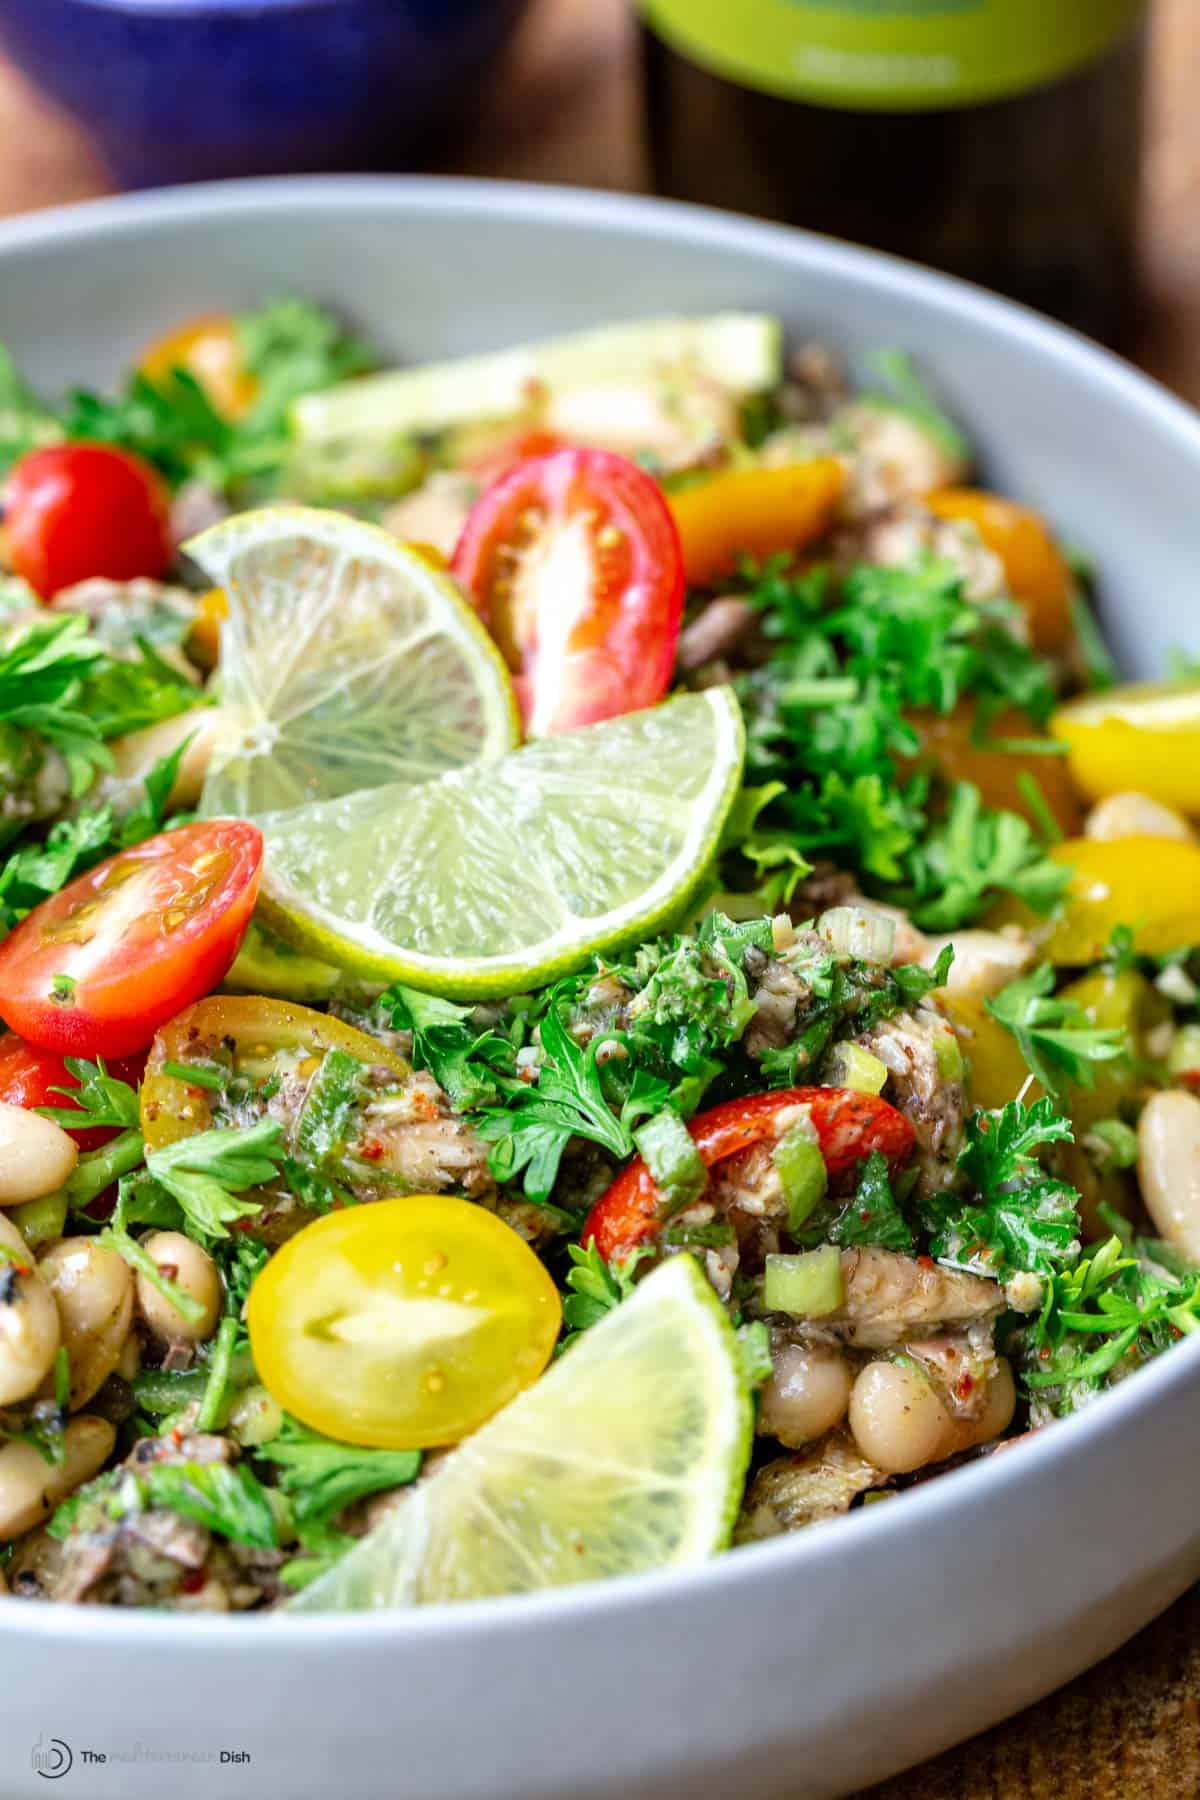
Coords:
pixel 499 876
pixel 629 1454
pixel 347 662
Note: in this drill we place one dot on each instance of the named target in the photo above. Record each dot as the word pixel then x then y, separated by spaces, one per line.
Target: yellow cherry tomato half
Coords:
pixel 1124 1001
pixel 404 1324
pixel 1150 884
pixel 1144 737
pixel 257 1037
pixel 996 1070
pixel 210 350
pixel 755 512
pixel 1035 569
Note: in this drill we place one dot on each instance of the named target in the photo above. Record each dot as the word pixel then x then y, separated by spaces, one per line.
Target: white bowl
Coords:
pixel 803 1667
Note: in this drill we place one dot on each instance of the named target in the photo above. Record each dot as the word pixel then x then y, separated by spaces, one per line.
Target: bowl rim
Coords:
pixel 570 208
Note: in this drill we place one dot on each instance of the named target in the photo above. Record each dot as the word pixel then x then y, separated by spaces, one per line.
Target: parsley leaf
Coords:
pixel 101 1098
pixel 199 1172
pixel 225 1498
pixel 596 1286
pixel 1109 1313
pixel 1024 1220
pixel 973 853
pixel 321 1476
pixel 872 1216
pixel 1053 1033
pixel 458 1057
pixel 531 1132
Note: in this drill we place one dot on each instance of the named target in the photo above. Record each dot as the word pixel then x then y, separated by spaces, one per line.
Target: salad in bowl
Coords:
pixel 597 965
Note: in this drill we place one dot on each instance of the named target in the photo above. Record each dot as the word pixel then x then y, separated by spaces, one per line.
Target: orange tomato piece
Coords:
pixel 204 636
pixel 948 748
pixel 1150 884
pixel 1038 575
pixel 208 348
pixel 755 512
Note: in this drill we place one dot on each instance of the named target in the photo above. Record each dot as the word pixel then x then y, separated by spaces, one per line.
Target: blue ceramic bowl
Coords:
pixel 179 90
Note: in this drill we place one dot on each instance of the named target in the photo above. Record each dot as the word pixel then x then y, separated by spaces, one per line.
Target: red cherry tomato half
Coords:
pixel 574 563
pixel 96 969
pixel 32 1077
pixel 77 510
pixel 849 1125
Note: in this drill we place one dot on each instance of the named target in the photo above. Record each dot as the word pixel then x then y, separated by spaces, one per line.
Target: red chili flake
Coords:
pixel 927 1262
pixel 965 1385
pixel 1043 1354
pixel 373 1150
pixel 193 1580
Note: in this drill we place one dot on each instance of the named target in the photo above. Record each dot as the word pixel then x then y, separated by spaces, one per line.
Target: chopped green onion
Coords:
pixel 195 1075
pixel 808 1286
pixel 858 931
pixel 1183 1057
pixel 1112 1144
pixel 802 1172
pixel 947 1053
pixel 1038 805
pixel 672 1159
pixel 854 1067
pixel 40 1221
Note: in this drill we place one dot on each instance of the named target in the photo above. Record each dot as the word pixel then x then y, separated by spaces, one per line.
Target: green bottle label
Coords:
pixel 892 55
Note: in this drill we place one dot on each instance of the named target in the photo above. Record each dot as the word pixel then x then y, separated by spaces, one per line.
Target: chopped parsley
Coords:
pixel 289 347
pixel 1023 1220
pixel 830 719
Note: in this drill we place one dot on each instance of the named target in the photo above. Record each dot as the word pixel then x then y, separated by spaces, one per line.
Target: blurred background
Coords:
pixel 1048 149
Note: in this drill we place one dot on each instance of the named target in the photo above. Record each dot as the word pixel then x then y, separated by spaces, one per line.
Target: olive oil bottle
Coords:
pixel 998 139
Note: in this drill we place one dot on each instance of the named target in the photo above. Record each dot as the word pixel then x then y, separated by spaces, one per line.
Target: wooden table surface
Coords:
pixel 565 109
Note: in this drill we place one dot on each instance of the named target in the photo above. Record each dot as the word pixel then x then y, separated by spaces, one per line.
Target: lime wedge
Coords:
pixel 499 876
pixel 629 1454
pixel 347 662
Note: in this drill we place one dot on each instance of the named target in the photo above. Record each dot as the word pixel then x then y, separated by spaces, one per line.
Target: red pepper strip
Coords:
pixel 849 1125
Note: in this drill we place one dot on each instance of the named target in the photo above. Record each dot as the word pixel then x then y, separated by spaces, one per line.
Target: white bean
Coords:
pixel 136 754
pixel 30 1487
pixel 900 1422
pixel 29 1328
pixel 1136 815
pixel 36 1155
pixel 192 1269
pixel 1169 1167
pixel 806 1394
pixel 93 1290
